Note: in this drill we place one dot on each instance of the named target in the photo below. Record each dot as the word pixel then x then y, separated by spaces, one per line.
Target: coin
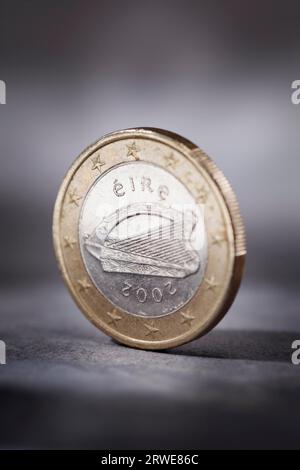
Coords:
pixel 149 238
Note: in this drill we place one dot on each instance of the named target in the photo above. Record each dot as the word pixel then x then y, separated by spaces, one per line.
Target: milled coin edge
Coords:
pixel 229 197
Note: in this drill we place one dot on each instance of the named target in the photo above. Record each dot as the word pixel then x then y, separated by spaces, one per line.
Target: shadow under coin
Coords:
pixel 249 345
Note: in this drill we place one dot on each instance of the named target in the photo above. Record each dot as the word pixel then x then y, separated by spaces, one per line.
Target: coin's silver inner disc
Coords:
pixel 143 239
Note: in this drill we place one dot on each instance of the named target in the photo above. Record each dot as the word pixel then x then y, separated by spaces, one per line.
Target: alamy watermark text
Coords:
pixel 2 92
pixel 295 96
pixel 2 352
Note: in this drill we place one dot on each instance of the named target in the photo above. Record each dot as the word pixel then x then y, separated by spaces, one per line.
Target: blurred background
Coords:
pixel 220 74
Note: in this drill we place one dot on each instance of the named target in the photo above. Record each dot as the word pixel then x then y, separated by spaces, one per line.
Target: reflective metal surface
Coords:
pixel 142 238
pixel 149 238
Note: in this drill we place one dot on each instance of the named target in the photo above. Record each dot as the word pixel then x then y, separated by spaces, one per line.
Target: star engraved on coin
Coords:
pixel 132 150
pixel 172 161
pixel 114 317
pixel 189 178
pixel 74 197
pixel 151 329
pixel 211 283
pixel 83 285
pixel 187 318
pixel 97 163
pixel 69 242
pixel 202 194
pixel 217 238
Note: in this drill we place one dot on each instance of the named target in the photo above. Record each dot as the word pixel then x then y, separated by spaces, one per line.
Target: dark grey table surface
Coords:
pixel 220 75
pixel 67 385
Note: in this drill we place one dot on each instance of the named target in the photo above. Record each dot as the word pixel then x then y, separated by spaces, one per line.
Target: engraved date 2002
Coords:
pixel 143 294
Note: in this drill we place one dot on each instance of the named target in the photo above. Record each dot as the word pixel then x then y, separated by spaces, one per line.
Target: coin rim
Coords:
pixel 231 204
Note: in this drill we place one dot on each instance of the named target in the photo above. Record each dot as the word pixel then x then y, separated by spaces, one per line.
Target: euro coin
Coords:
pixel 149 238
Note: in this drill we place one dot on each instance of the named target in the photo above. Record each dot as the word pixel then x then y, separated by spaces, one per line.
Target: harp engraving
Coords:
pixel 163 249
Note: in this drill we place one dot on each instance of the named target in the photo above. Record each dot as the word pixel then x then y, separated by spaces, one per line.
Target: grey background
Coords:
pixel 220 74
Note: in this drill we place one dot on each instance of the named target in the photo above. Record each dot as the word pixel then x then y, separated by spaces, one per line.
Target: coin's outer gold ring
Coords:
pixel 226 256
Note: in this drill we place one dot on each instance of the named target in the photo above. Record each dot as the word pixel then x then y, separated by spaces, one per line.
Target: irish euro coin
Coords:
pixel 149 238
